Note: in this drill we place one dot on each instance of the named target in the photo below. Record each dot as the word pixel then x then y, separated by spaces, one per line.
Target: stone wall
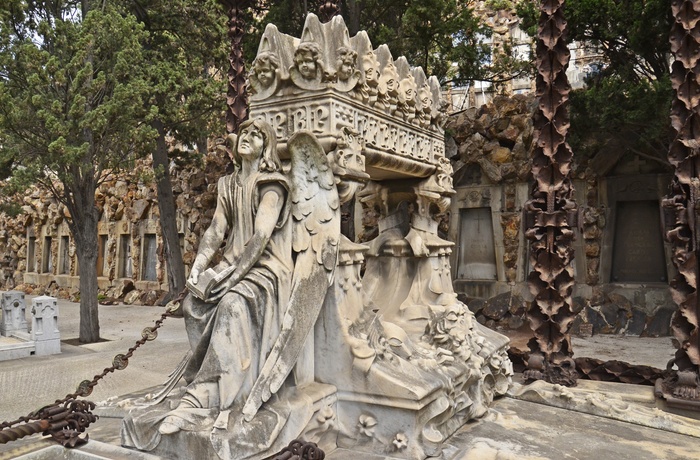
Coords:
pixel 129 213
pixel 490 156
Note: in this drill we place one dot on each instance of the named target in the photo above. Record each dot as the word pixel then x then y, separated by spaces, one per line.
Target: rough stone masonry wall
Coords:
pixel 126 200
pixel 497 138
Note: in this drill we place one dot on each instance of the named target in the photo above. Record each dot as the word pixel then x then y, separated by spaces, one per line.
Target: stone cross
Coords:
pixel 13 313
pixel 45 331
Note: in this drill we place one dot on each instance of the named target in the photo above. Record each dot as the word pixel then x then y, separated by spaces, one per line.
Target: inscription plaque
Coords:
pixel 638 254
pixel 477 256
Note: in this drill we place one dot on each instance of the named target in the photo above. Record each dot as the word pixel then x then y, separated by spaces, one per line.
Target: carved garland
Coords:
pixel 551 212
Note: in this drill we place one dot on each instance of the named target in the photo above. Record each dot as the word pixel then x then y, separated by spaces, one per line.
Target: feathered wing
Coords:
pixel 316 232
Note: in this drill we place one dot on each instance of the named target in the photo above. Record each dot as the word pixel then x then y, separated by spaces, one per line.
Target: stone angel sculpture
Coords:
pixel 249 316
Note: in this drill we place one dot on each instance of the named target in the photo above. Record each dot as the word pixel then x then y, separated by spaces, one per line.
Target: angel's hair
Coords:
pixel 308 47
pixel 266 57
pixel 269 159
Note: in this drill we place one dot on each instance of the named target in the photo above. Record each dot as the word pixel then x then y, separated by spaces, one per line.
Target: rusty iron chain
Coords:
pixel 66 418
pixel 300 450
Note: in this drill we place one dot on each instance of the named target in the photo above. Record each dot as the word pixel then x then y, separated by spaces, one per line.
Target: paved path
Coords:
pixel 32 382
pixel 29 383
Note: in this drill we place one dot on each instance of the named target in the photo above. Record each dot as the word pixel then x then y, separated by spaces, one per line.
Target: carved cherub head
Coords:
pixel 307 60
pixel 390 78
pixel 256 140
pixel 264 69
pixel 345 63
pixel 424 96
pixel 408 89
pixel 370 64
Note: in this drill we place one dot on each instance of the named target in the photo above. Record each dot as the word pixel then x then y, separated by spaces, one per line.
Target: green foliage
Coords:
pixel 629 115
pixel 11 209
pixel 72 94
pixel 184 49
pixel 631 36
pixel 496 5
pixel 627 100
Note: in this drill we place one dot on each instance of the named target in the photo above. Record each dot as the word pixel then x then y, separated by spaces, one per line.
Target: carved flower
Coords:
pixel 325 418
pixel 400 441
pixel 367 424
pixel 384 350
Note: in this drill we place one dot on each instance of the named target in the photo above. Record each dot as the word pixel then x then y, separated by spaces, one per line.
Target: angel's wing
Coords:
pixel 316 232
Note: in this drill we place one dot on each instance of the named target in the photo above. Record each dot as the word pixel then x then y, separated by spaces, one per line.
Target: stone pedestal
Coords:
pixel 399 393
pixel 13 314
pixel 45 331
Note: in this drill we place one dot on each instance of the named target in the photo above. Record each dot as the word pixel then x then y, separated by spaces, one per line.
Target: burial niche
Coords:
pixel 638 254
pixel 477 256
pixel 149 257
pixel 47 263
pixel 125 260
pixel 31 254
pixel 101 254
pixel 64 259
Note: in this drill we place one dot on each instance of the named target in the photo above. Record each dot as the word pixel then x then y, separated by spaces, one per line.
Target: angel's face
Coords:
pixel 265 73
pixel 346 68
pixel 250 142
pixel 306 64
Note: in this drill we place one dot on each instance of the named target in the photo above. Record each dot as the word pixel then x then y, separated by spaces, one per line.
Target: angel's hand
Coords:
pixel 194 275
pixel 219 291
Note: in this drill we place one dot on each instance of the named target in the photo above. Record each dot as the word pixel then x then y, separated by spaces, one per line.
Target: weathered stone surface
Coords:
pixel 497 307
pixel 132 297
pixel 659 324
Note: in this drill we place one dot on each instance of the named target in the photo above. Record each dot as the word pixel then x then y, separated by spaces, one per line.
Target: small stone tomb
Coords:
pixel 13 313
pixel 15 338
pixel 45 333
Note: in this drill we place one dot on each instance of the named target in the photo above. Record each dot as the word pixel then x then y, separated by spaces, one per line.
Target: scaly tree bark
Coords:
pixel 551 212
pixel 682 386
pixel 184 38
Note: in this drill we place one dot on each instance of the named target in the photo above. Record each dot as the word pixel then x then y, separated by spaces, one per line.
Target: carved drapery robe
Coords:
pixel 231 340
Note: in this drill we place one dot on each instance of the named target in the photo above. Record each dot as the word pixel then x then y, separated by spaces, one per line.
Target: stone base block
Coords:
pixel 309 409
pixel 13 348
pixel 48 347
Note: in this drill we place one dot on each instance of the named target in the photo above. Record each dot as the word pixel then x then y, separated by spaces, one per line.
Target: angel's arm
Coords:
pixel 211 240
pixel 266 219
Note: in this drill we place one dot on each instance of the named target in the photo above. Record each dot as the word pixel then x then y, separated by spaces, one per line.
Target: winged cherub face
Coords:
pixel 250 142
pixel 265 73
pixel 306 64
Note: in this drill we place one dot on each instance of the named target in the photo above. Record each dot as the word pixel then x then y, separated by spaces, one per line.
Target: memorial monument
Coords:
pixel 289 339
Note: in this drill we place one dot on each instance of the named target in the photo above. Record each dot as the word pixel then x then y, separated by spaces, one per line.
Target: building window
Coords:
pixel 148 267
pixel 638 250
pixel 101 254
pixel 64 257
pixel 477 256
pixel 47 262
pixel 125 259
pixel 31 254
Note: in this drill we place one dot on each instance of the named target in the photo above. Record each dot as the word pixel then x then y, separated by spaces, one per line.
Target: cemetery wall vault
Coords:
pixel 388 362
pixel 614 292
pixel 39 252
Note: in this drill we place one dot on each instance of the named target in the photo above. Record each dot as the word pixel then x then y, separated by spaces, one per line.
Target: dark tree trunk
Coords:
pixel 168 222
pixel 83 225
pixel 353 15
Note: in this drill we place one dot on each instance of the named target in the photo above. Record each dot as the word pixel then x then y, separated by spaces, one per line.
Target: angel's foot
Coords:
pixel 172 423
